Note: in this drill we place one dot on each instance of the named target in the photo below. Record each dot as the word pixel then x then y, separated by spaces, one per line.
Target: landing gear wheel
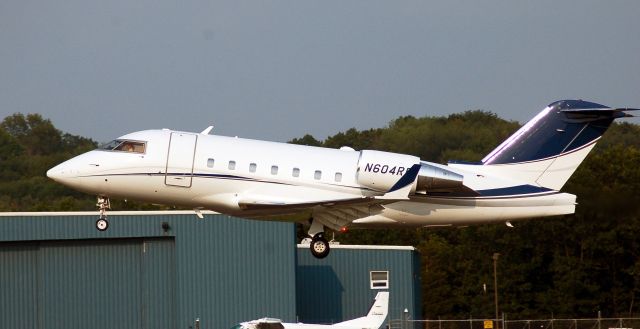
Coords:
pixel 319 246
pixel 102 224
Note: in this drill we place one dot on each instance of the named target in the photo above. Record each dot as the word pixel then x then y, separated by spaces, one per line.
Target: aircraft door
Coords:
pixel 182 148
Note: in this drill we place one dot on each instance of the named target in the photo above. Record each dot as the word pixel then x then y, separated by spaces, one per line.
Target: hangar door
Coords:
pixel 88 284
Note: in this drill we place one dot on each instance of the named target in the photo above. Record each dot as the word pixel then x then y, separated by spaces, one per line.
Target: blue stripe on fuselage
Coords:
pixel 503 192
pixel 514 191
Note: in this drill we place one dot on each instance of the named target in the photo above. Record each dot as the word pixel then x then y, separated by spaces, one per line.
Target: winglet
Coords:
pixel 401 189
pixel 207 131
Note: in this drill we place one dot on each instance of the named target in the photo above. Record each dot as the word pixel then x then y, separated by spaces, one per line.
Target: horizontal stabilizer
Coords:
pixel 594 114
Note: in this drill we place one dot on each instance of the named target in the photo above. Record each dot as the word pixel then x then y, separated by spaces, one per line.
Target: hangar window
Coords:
pixel 124 146
pixel 210 162
pixel 338 177
pixel 296 172
pixel 232 165
pixel 317 175
pixel 253 167
pixel 274 170
pixel 379 279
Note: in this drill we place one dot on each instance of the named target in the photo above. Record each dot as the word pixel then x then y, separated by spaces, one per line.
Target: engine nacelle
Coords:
pixel 432 179
pixel 381 170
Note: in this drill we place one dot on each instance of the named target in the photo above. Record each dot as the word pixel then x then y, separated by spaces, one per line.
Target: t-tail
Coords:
pixel 376 316
pixel 549 148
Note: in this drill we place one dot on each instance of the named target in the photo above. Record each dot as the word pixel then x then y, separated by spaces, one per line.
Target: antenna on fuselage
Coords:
pixel 207 131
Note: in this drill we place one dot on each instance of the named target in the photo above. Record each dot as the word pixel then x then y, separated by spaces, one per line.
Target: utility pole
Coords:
pixel 495 284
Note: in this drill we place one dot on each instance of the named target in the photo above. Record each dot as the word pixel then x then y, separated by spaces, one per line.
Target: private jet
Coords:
pixel 341 188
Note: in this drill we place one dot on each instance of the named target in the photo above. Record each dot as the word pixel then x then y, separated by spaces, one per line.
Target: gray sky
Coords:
pixel 279 69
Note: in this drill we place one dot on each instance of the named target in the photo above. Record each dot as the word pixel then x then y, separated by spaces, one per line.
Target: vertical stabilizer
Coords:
pixel 376 316
pixel 549 148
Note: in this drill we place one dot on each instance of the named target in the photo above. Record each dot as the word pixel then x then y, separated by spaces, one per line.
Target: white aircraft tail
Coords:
pixel 549 148
pixel 376 316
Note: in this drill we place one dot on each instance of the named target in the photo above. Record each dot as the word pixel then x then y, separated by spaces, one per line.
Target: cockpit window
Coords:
pixel 124 146
pixel 110 146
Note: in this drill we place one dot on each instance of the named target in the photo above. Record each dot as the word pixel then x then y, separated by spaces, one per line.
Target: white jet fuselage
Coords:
pixel 223 173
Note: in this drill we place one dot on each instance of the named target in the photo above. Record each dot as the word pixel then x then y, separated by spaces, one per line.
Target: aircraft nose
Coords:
pixel 57 173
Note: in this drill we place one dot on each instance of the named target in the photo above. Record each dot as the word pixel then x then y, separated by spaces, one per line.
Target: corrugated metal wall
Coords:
pixel 60 272
pixel 337 288
pixel 19 285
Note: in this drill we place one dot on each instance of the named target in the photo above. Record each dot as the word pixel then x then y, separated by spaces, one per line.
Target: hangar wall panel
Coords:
pixel 18 285
pixel 90 284
pixel 86 284
pixel 58 271
pixel 220 270
pixel 337 288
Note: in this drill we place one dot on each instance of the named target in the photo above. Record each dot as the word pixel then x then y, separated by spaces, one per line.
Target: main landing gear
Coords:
pixel 102 224
pixel 319 245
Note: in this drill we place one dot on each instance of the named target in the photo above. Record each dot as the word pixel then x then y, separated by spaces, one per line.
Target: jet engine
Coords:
pixel 433 179
pixel 381 170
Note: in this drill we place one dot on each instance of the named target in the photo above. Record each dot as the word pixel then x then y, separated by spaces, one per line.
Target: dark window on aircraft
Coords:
pixel 232 165
pixel 274 170
pixel 252 167
pixel 124 146
pixel 317 175
pixel 338 177
pixel 111 145
pixel 296 172
pixel 210 163
pixel 269 326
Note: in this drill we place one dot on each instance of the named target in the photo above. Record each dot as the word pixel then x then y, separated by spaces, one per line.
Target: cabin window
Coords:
pixel 253 167
pixel 379 279
pixel 274 170
pixel 296 172
pixel 317 175
pixel 338 177
pixel 232 165
pixel 210 163
pixel 124 146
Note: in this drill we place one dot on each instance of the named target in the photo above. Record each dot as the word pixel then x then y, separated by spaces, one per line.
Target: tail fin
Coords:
pixel 376 316
pixel 549 148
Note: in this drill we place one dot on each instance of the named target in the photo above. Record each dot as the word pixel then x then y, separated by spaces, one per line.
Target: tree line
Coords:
pixel 568 266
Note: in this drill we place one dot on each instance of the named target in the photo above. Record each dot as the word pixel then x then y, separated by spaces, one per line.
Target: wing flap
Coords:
pixel 263 204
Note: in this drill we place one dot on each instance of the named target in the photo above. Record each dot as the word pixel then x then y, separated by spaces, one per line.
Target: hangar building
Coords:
pixel 173 270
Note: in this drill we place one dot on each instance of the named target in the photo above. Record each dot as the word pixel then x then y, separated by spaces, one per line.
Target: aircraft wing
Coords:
pixel 250 203
pixel 400 191
pixel 334 214
pixel 338 213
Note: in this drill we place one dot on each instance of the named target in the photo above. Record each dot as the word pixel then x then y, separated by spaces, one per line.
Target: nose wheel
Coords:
pixel 102 224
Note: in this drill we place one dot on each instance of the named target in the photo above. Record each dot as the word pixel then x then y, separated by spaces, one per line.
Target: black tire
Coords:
pixel 102 224
pixel 319 246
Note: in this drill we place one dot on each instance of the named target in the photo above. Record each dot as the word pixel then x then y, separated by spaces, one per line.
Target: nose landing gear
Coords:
pixel 102 224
